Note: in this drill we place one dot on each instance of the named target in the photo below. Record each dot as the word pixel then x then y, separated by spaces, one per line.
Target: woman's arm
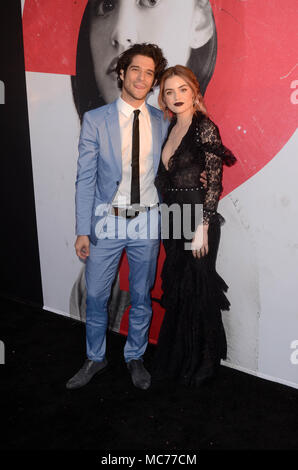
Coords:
pixel 210 137
pixel 213 164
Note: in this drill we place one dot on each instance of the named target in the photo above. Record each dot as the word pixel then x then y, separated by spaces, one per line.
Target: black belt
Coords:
pixel 130 213
pixel 197 188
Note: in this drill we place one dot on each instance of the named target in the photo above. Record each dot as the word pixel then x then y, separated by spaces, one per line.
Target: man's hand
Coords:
pixel 82 245
pixel 203 178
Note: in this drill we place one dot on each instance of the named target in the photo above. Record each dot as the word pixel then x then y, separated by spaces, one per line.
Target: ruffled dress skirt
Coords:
pixel 192 339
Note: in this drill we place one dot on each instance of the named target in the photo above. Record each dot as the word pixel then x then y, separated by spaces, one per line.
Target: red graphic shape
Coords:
pixel 249 95
pixel 51 30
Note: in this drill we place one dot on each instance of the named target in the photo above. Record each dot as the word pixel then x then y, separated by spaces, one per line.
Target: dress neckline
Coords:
pixel 172 124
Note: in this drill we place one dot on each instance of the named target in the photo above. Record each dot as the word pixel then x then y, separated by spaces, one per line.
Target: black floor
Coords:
pixel 43 350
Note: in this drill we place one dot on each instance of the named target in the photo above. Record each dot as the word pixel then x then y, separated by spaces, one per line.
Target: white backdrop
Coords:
pixel 54 133
pixel 259 260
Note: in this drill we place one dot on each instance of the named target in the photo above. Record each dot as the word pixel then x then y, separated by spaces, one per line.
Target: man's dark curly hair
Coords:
pixel 148 50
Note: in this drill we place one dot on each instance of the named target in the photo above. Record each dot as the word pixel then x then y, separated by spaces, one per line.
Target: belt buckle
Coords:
pixel 131 216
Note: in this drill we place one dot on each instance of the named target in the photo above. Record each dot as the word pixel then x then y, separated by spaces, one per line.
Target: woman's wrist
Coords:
pixel 201 229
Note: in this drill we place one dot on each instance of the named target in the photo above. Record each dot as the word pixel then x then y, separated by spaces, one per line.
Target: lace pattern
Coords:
pixel 200 149
pixel 210 137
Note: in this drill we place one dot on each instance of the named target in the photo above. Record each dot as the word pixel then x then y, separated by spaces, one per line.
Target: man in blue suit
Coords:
pixel 117 208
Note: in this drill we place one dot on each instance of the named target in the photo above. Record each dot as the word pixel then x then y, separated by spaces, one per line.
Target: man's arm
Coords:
pixel 85 184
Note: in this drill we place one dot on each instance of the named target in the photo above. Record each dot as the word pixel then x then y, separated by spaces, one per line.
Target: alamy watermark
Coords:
pixel 294 355
pixel 2 353
pixel 294 94
pixel 2 92
pixel 178 221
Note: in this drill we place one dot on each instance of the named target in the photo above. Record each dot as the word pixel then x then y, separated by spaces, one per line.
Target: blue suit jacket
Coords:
pixel 100 163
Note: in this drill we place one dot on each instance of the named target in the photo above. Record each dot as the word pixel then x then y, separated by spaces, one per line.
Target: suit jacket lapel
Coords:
pixel 113 127
pixel 156 139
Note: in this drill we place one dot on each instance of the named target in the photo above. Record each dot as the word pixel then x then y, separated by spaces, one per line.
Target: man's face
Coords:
pixel 117 24
pixel 138 79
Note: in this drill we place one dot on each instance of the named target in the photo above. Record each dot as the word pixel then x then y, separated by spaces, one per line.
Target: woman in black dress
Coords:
pixel 192 339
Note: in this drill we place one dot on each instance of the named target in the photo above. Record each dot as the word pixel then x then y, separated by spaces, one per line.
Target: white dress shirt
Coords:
pixel 148 192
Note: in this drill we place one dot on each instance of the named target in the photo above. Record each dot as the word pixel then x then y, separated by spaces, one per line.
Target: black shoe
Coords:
pixel 85 374
pixel 139 375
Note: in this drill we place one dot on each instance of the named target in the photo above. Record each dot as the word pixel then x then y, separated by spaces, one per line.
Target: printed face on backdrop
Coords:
pixel 176 27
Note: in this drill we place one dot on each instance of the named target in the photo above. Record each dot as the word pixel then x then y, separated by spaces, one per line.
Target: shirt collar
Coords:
pixel 127 109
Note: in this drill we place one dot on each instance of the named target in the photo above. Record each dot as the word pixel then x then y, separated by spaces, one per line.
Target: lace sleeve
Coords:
pixel 210 138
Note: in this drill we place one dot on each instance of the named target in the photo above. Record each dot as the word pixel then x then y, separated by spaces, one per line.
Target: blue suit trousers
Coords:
pixel 140 238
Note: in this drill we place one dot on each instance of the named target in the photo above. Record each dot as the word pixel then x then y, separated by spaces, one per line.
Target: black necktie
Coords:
pixel 135 162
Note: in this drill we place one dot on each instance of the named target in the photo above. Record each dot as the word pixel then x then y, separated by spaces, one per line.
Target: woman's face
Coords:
pixel 174 25
pixel 178 95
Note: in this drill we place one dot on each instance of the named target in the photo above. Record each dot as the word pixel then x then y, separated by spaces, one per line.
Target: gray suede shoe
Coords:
pixel 85 374
pixel 139 375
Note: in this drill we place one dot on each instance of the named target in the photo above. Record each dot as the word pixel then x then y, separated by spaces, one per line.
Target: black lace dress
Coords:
pixel 192 338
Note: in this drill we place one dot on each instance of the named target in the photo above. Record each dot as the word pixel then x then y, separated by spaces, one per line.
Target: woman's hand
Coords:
pixel 199 245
